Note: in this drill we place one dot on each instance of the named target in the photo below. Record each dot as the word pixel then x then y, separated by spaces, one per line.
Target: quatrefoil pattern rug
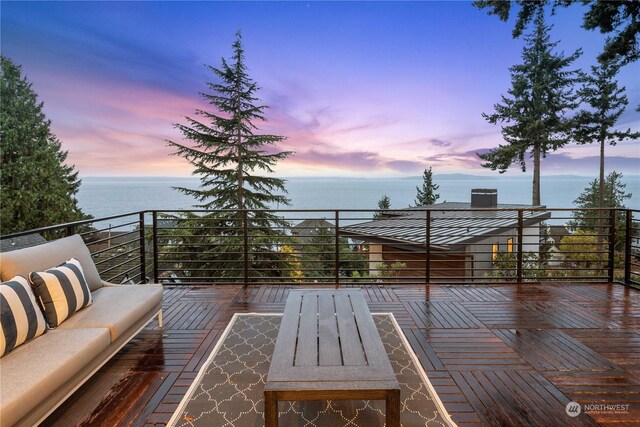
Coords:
pixel 228 391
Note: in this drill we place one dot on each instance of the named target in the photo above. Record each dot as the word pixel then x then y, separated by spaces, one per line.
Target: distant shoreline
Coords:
pixel 452 176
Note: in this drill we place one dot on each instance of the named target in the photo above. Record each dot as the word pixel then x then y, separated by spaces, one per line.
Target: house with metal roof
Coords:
pixel 460 239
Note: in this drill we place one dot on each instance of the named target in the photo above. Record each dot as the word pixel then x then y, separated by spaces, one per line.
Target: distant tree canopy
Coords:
pixel 427 194
pixel 318 257
pixel 620 17
pixel 615 195
pixel 232 161
pixel 535 110
pixel 383 204
pixel 37 188
pixel 606 102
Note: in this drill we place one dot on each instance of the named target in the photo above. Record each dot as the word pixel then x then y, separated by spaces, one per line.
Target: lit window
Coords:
pixel 510 245
pixel 494 251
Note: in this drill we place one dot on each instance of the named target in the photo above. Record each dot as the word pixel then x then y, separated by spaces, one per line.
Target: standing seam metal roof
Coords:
pixel 451 223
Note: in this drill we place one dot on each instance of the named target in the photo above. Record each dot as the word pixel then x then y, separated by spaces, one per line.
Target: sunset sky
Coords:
pixel 359 89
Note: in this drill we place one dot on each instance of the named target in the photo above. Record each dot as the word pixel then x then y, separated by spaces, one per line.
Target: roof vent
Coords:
pixel 484 198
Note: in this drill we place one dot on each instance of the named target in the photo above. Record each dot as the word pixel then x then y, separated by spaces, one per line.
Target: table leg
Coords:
pixel 270 409
pixel 392 418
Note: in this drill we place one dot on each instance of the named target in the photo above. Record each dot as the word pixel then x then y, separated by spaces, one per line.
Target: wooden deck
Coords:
pixel 496 354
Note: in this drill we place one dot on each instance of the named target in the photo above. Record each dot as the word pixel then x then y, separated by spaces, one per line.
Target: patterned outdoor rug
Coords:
pixel 228 390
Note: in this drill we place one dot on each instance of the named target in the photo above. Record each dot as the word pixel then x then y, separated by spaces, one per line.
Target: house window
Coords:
pixel 510 245
pixel 494 251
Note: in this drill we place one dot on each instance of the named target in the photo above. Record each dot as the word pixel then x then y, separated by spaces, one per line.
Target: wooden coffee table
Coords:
pixel 328 348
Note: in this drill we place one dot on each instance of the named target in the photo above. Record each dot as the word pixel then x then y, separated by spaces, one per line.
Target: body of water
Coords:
pixel 104 196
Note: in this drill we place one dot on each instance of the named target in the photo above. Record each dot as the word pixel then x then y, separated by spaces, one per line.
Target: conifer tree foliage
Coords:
pixel 37 187
pixel 383 204
pixel 233 162
pixel 621 18
pixel 427 194
pixel 318 257
pixel 615 195
pixel 606 102
pixel 225 152
pixel 535 112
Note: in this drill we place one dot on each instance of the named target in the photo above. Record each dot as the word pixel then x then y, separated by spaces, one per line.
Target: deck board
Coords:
pixel 497 355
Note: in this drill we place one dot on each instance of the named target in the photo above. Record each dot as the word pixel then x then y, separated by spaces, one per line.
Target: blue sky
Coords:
pixel 358 88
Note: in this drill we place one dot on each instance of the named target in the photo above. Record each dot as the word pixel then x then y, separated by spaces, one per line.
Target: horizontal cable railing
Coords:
pixel 116 243
pixel 357 247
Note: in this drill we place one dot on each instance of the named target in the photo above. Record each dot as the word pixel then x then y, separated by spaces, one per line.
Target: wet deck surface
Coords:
pixel 497 355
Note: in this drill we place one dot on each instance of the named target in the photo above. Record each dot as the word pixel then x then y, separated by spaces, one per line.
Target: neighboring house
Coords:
pixel 555 234
pixel 305 230
pixel 21 242
pixel 464 237
pixel 102 240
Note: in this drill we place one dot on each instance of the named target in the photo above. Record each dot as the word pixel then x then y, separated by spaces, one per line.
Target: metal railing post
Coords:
pixel 519 255
pixel 143 259
pixel 627 246
pixel 337 248
pixel 154 234
pixel 70 231
pixel 427 266
pixel 245 246
pixel 612 243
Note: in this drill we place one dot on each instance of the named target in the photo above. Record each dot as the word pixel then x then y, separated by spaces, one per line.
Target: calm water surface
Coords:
pixel 104 196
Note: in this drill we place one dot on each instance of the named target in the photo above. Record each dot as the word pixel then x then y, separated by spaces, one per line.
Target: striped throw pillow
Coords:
pixel 20 316
pixel 62 291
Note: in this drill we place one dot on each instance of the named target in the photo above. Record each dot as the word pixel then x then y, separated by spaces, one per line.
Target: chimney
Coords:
pixel 484 198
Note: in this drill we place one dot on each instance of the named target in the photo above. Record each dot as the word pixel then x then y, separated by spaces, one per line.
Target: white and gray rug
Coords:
pixel 228 390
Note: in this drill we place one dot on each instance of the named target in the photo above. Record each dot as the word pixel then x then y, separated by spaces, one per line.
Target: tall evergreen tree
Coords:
pixel 383 204
pixel 607 102
pixel 226 152
pixel 620 18
pixel 232 159
pixel 37 187
pixel 427 194
pixel 540 97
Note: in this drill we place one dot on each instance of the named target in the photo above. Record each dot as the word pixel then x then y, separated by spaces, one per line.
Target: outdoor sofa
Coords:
pixel 37 376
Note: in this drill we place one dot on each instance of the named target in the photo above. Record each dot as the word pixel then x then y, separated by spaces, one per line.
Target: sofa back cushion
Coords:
pixel 62 291
pixel 20 316
pixel 39 258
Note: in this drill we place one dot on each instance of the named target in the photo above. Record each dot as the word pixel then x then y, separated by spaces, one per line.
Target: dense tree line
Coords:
pixel 37 186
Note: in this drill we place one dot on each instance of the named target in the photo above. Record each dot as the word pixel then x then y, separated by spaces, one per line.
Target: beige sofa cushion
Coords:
pixel 117 307
pixel 31 372
pixel 51 254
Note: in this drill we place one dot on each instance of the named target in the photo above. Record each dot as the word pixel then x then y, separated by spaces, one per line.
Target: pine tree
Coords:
pixel 427 194
pixel 229 156
pixel 37 187
pixel 621 18
pixel 226 152
pixel 383 204
pixel 318 258
pixel 614 196
pixel 540 97
pixel 607 102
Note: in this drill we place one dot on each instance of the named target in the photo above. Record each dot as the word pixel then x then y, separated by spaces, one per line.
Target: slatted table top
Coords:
pixel 328 340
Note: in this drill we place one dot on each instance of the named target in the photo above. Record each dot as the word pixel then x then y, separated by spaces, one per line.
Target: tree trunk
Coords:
pixel 239 174
pixel 601 189
pixel 601 227
pixel 535 194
